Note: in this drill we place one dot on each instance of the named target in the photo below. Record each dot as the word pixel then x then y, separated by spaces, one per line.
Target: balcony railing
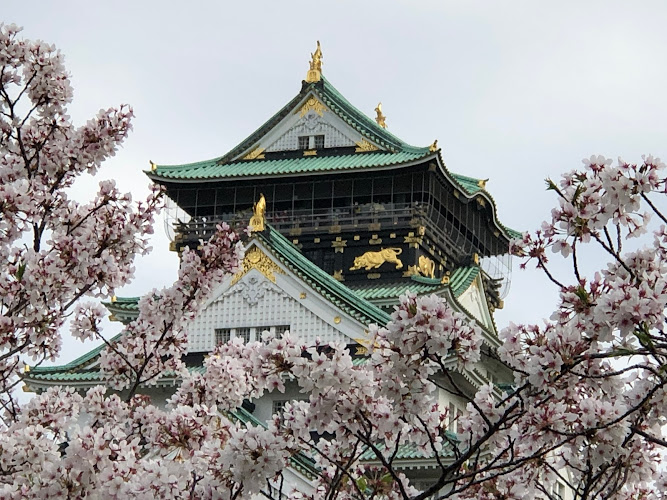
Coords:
pixel 369 217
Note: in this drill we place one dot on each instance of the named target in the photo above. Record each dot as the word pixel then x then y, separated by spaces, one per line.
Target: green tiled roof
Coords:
pixel 512 232
pixel 333 290
pixel 123 303
pixel 224 166
pixel 212 169
pixel 406 452
pixel 462 278
pixel 459 282
pixel 470 184
pixel 358 120
pixel 372 291
pixel 77 364
pixel 75 372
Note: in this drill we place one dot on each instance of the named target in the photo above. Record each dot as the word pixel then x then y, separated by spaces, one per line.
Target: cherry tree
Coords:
pixel 585 407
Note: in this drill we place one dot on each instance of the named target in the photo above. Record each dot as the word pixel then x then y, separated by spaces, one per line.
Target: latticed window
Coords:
pixel 319 142
pixel 278 406
pixel 222 335
pixel 280 330
pixel 304 142
pixel 244 333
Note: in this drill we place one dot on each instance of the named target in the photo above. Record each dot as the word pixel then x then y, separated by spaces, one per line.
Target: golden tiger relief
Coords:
pixel 373 260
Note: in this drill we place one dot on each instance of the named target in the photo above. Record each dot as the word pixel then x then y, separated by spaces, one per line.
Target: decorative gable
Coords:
pixel 311 125
pixel 474 301
pixel 267 296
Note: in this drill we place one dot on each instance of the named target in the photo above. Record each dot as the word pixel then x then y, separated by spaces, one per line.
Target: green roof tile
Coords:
pixel 212 170
pixel 462 278
pixel 395 290
pixel 123 304
pixel 330 288
pixel 470 184
pixel 358 120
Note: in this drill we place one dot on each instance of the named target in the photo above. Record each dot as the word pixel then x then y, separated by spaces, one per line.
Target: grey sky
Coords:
pixel 513 91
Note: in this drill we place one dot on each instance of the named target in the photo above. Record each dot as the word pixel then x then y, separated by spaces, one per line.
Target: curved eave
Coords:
pixel 210 171
pixel 253 138
pixel 79 363
pixel 359 121
pixel 481 193
pixel 360 309
pixel 490 336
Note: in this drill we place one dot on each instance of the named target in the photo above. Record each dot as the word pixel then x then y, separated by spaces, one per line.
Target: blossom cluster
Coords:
pixel 582 404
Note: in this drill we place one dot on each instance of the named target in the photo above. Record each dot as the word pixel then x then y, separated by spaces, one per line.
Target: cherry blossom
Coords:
pixel 583 402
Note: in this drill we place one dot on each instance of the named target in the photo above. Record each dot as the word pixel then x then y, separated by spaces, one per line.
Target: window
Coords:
pixel 319 142
pixel 244 333
pixel 279 330
pixel 453 420
pixel 279 406
pixel 222 335
pixel 304 142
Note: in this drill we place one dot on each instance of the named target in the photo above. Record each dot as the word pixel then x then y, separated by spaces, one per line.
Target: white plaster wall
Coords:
pixel 474 301
pixel 274 307
pixel 328 125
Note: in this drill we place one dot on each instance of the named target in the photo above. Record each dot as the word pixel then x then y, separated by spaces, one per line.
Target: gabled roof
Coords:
pixel 392 150
pixel 210 170
pixel 355 303
pixel 459 282
pixel 387 152
pixel 322 282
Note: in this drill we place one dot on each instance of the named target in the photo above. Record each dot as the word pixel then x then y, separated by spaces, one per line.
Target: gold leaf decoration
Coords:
pixel 256 259
pixel 255 154
pixel 373 260
pixel 364 146
pixel 380 118
pixel 426 266
pixel 313 104
pixel 412 271
pixel 315 72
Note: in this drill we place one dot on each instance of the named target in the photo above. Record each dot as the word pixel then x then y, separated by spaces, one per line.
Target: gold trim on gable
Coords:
pixel 314 104
pixel 364 146
pixel 255 154
pixel 256 259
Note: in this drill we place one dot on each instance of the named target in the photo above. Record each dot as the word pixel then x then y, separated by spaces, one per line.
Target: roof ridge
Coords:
pixel 278 243
pixel 372 128
pixel 75 362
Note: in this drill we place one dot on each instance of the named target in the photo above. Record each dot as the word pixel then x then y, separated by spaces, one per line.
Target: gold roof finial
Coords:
pixel 259 209
pixel 153 166
pixel 433 147
pixel 380 118
pixel 315 71
pixel 482 183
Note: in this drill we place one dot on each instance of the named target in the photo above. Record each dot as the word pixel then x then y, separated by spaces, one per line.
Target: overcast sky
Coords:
pixel 513 91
